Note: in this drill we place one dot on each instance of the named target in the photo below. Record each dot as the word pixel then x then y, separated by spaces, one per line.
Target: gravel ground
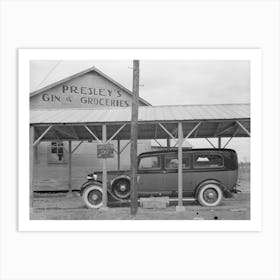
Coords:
pixel 72 207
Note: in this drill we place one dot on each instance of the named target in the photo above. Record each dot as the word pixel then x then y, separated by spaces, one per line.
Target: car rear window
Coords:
pixel 208 161
pixel 171 161
pixel 152 162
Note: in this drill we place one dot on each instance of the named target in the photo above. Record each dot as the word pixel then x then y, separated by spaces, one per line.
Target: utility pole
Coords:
pixel 134 136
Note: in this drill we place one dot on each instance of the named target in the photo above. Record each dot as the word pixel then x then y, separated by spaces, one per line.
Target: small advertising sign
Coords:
pixel 105 151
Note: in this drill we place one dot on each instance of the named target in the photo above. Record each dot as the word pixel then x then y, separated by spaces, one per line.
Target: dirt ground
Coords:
pixel 72 207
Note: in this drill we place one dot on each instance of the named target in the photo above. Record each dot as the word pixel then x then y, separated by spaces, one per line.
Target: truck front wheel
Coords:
pixel 93 196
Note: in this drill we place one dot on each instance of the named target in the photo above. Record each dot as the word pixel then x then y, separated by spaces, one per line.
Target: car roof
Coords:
pixel 172 150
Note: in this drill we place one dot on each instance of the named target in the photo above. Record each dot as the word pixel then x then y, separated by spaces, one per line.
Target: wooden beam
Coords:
pixel 217 129
pixel 78 145
pixel 175 131
pixel 219 142
pixel 158 142
pixel 231 137
pixel 125 146
pixel 189 134
pixel 244 128
pixel 210 142
pixel 73 128
pixel 94 136
pixel 192 131
pixel 104 169
pixel 168 142
pixel 180 168
pixel 166 130
pixel 224 130
pixel 42 135
pixel 156 128
pixel 119 154
pixel 116 133
pixel 61 130
pixel 31 164
pixel 70 167
pixel 196 131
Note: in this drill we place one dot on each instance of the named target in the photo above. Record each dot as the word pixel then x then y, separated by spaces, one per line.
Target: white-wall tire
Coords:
pixel 93 196
pixel 210 195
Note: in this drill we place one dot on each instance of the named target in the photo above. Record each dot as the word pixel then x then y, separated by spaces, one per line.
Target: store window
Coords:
pixel 57 153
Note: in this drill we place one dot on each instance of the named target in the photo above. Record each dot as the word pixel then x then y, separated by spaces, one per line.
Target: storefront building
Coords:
pixel 88 89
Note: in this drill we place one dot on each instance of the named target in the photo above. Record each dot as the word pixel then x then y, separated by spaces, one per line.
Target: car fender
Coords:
pixel 90 182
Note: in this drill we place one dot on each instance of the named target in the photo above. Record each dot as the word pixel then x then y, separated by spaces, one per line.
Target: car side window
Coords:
pixel 208 161
pixel 152 162
pixel 171 161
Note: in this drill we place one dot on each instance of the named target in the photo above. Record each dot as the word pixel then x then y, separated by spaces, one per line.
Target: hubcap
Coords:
pixel 210 195
pixel 95 197
pixel 122 187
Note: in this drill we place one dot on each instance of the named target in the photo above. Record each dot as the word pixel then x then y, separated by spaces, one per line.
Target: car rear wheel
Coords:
pixel 93 196
pixel 121 188
pixel 210 195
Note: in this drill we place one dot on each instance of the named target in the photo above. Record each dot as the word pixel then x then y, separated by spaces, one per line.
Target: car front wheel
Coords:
pixel 210 195
pixel 93 196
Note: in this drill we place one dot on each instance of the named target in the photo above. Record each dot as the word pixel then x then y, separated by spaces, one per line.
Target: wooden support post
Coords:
pixel 70 167
pixel 180 206
pixel 31 164
pixel 168 143
pixel 104 170
pixel 134 136
pixel 36 157
pixel 119 154
pixel 219 142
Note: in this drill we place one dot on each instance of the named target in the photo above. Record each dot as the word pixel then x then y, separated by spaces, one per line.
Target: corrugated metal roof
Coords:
pixel 146 114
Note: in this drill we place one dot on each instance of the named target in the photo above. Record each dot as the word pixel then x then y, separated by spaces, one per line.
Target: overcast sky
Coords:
pixel 165 82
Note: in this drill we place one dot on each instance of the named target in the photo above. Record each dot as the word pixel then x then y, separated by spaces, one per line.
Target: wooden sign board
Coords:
pixel 105 151
pixel 86 91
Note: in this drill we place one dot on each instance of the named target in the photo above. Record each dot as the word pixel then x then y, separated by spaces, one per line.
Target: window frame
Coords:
pixel 207 167
pixel 176 155
pixel 150 168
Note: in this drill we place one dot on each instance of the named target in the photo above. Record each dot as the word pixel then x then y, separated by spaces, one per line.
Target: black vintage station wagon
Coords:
pixel 208 176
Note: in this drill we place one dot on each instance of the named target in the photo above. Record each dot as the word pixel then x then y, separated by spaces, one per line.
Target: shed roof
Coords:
pixel 146 114
pixel 215 120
